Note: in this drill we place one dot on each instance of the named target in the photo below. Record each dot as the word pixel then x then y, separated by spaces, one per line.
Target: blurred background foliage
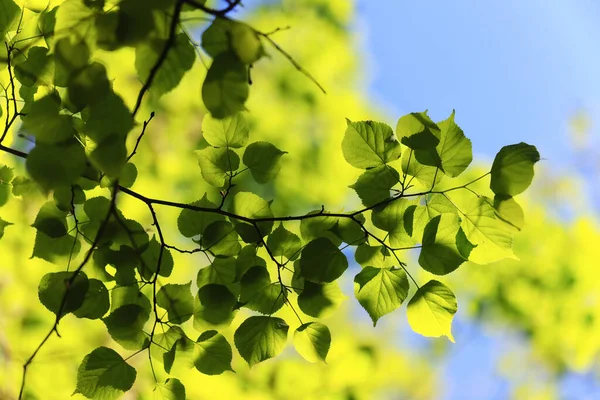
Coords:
pixel 548 303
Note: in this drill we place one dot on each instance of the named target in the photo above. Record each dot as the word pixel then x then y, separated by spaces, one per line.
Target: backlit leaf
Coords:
pixel 103 374
pixel 380 290
pixel 260 338
pixel 431 310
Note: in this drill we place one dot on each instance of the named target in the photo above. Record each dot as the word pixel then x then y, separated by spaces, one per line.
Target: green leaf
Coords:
pixel 214 305
pixel 129 294
pixel 221 239
pixel 36 69
pixel 312 341
pixel 263 161
pixel 180 356
pixel 320 299
pixel 95 303
pixel 103 374
pixel 193 223
pixel 380 290
pixel 150 257
pixel 164 345
pixel 439 252
pixel 427 175
pixel 212 353
pixel 221 271
pixel 509 211
pixel 55 250
pixel 6 176
pixel 435 204
pixel 512 170
pixel 177 300
pixel 260 338
pixel 246 43
pixel 350 230
pixel 107 117
pixel 88 86
pixel 51 221
pixel 22 185
pixel 172 389
pixel 45 123
pixel 224 35
pixel 110 155
pixel 249 205
pixel 394 218
pixel 322 261
pixel 225 87
pixel 374 256
pixel 369 144
pixel 217 164
pixel 231 131
pixel 3 224
pixel 179 60
pixel 374 185
pixel 75 20
pixel 125 325
pixel 455 149
pixel 62 294
pixel 316 227
pixel 284 243
pixel 9 12
pixel 417 131
pixel 246 259
pixel 137 22
pixel 128 175
pixel 52 166
pixel 64 196
pixel 259 293
pixel 491 235
pixel 431 310
pixel 70 56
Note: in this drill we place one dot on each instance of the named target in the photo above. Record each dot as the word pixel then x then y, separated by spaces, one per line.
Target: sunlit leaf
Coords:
pixel 439 252
pixel 454 147
pixel 126 325
pixel 249 205
pixel 284 243
pixel 260 338
pixel 217 165
pixel 63 292
pixel 179 60
pixel 322 261
pixel 431 310
pixel 259 293
pixel 214 305
pixel 374 185
pixel 312 341
pixel 320 299
pixel 171 389
pixel 225 87
pixel 212 353
pixel 193 223
pixel 512 170
pixel 380 290
pixel 226 132
pixel 177 300
pixel 369 144
pixel 263 161
pixel 417 131
pixel 103 374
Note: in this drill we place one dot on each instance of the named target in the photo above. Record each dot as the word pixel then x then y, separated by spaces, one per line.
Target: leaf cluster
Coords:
pixel 257 263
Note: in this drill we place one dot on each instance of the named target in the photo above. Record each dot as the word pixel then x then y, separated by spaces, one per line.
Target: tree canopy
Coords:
pixel 79 131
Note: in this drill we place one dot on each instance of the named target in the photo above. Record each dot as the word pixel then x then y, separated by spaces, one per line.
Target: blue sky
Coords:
pixel 514 70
